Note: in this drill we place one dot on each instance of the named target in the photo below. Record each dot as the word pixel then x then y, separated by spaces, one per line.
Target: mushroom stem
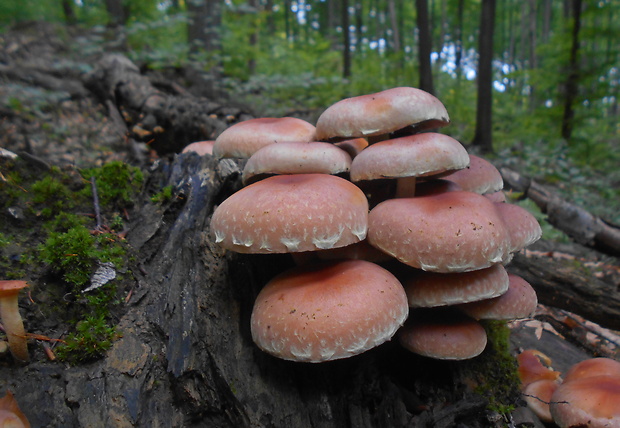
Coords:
pixel 405 187
pixel 14 326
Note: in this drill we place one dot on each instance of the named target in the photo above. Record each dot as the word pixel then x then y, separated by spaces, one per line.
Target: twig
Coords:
pixel 93 185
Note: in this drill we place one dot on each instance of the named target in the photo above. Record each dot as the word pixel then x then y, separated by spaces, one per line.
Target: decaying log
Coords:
pixel 578 223
pixel 570 285
pixel 166 122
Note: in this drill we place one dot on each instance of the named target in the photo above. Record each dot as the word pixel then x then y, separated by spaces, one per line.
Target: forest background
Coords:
pixel 533 83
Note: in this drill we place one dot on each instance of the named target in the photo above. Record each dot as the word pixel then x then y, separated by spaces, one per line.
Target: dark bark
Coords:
pixel 116 12
pixel 568 283
pixel 424 49
pixel 483 137
pixel 584 227
pixel 572 79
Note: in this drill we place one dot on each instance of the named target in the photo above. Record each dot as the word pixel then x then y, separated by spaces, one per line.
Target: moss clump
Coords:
pixel 117 183
pixel 92 337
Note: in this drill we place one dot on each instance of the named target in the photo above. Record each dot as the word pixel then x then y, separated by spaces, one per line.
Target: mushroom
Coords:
pixel 444 335
pixel 593 367
pixel 296 158
pixel 587 402
pixel 376 115
pixel 10 414
pixel 480 176
pixel 243 139
pixel 448 232
pixel 12 320
pixel 292 213
pixel 200 147
pixel 522 226
pixel 353 147
pixel 538 395
pixel 327 311
pixel 408 158
pixel 431 289
pixel 519 301
pixel 535 365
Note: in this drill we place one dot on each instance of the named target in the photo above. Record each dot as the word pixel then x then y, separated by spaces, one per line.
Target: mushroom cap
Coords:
pixel 519 301
pixel 593 367
pixel 296 158
pixel 328 311
pixel 433 187
pixel 353 147
pixel 448 232
pixel 431 289
pixel 523 227
pixel 11 415
pixel 588 402
pixel 443 335
pixel 358 251
pixel 480 176
pixel 11 287
pixel 292 213
pixel 418 155
pixel 200 147
pixel 498 197
pixel 381 113
pixel 533 366
pixel 243 139
pixel 538 395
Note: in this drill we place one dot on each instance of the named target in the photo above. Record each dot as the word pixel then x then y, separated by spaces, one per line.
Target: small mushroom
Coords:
pixel 243 139
pixel 480 176
pixel 200 147
pixel 12 320
pixel 10 414
pixel 593 367
pixel 381 113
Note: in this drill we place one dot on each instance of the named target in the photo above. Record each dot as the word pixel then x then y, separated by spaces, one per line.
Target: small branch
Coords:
pixel 93 185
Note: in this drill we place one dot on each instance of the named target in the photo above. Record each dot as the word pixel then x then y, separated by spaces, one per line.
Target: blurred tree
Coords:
pixel 572 79
pixel 203 30
pixel 424 48
pixel 483 137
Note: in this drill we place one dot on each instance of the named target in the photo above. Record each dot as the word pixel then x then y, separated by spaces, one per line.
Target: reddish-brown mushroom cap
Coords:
pixel 593 367
pixel 431 289
pixel 443 336
pixel 523 227
pixel 328 311
pixel 480 176
pixel 533 366
pixel 200 147
pixel 296 158
pixel 519 301
pixel 11 415
pixel 12 320
pixel 381 113
pixel 447 232
pixel 292 213
pixel 587 402
pixel 418 155
pixel 538 395
pixel 243 139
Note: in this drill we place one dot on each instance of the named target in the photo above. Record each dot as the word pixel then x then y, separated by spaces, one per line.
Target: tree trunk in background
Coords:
pixel 570 87
pixel 203 31
pixel 67 10
pixel 346 41
pixel 424 48
pixel 396 42
pixel 116 12
pixel 458 54
pixel 483 137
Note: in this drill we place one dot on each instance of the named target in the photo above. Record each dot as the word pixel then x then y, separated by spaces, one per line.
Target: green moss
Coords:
pixel 93 336
pixel 495 370
pixel 52 195
pixel 116 182
pixel 165 195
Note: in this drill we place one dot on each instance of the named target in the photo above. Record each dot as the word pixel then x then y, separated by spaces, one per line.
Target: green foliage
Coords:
pixel 92 337
pixel 117 183
pixel 52 195
pixel 165 195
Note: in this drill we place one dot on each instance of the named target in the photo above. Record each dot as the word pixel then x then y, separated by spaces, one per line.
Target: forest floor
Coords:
pixel 48 116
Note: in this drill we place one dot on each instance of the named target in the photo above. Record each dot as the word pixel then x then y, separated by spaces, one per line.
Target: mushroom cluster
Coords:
pixel 387 220
pixel 588 395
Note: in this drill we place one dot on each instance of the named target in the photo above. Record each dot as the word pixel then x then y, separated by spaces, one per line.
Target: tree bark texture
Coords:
pixel 424 48
pixel 166 122
pixel 483 137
